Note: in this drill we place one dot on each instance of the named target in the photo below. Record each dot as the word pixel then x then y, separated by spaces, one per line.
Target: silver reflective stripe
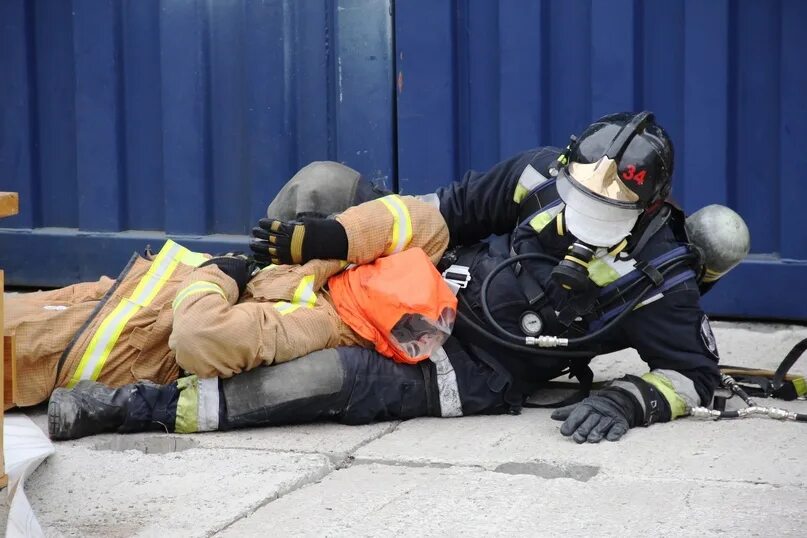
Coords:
pixel 208 405
pixel 431 199
pixel 652 299
pixel 682 385
pixel 531 178
pixel 633 389
pixel 450 405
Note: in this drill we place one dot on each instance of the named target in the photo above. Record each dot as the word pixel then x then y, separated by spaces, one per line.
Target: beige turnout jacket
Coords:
pixel 164 314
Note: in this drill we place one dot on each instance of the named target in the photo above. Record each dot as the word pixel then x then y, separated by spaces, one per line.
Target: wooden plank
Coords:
pixel 9 389
pixel 3 477
pixel 9 204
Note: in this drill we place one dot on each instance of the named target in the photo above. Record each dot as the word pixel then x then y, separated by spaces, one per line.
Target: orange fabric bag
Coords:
pixel 390 296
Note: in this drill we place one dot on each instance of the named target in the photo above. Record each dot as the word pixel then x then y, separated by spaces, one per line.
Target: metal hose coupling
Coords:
pixel 703 412
pixel 770 412
pixel 546 341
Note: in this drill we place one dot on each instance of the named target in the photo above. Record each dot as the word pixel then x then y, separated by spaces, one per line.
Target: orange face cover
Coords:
pixel 403 290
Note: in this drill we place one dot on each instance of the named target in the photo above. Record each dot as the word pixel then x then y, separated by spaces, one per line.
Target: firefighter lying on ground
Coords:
pixel 600 206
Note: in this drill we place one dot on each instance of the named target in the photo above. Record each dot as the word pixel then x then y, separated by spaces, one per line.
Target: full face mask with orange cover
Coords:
pixel 400 303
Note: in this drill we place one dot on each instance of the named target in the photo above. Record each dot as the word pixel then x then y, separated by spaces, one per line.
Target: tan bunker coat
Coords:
pixel 164 314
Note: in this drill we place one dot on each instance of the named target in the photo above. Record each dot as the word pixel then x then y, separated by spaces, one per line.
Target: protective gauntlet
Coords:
pixel 623 404
pixel 277 242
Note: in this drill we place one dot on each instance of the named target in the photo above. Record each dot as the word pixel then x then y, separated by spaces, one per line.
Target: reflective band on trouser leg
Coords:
pixel 201 286
pixel 450 404
pixel 198 405
pixel 401 223
pixel 304 294
pixel 108 332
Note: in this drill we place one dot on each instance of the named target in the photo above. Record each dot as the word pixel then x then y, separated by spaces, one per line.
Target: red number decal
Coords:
pixel 631 175
pixel 640 177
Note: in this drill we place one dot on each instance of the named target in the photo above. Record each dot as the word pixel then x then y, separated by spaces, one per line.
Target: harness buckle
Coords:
pixel 457 277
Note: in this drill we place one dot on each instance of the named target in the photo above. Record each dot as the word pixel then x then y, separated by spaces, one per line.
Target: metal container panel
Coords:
pixel 121 122
pixel 478 81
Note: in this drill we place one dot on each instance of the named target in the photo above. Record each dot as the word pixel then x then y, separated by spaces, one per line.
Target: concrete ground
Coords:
pixel 477 476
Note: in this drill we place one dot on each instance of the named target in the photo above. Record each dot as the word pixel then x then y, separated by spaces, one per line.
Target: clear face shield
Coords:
pixel 418 336
pixel 600 209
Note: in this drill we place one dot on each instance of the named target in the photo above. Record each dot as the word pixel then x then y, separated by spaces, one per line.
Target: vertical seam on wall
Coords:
pixel 33 116
pixel 638 55
pixel 120 119
pixel 207 145
pixel 330 76
pixel 290 38
pixel 732 136
pixel 394 46
pixel 543 76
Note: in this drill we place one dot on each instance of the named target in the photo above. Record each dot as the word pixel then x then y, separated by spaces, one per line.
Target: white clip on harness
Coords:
pixel 457 277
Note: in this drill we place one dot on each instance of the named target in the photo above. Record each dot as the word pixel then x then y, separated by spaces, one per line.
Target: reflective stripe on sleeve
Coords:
pixel 304 294
pixel 201 286
pixel 530 178
pixel 108 332
pixel 401 223
pixel 286 308
pixel 677 389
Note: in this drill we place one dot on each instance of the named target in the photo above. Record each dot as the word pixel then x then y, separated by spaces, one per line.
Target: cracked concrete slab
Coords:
pixel 741 450
pixel 381 500
pixel 80 491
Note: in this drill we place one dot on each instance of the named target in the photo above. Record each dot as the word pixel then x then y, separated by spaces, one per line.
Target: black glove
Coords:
pixel 239 268
pixel 613 411
pixel 279 242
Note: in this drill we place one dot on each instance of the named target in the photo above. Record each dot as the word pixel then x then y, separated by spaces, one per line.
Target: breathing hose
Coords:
pixel 546 341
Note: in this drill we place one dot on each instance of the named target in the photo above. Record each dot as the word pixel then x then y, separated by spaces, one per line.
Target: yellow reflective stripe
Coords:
pixel 539 221
pixel 521 192
pixel 559 222
pixel 193 259
pixel 187 419
pixel 601 273
pixel 201 286
pixel 304 294
pixel 530 179
pixel 105 338
pixel 401 223
pixel 678 406
pixel 286 308
pixel 800 385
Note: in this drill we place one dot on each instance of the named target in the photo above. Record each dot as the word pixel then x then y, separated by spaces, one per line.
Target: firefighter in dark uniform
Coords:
pixel 558 255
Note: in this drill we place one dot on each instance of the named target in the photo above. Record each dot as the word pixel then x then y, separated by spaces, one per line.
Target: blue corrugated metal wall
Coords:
pixel 119 118
pixel 479 81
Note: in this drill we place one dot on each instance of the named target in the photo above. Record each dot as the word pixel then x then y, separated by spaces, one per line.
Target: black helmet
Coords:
pixel 620 165
pixel 641 148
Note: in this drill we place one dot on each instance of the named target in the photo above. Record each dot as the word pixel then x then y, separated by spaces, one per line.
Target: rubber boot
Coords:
pixel 91 408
